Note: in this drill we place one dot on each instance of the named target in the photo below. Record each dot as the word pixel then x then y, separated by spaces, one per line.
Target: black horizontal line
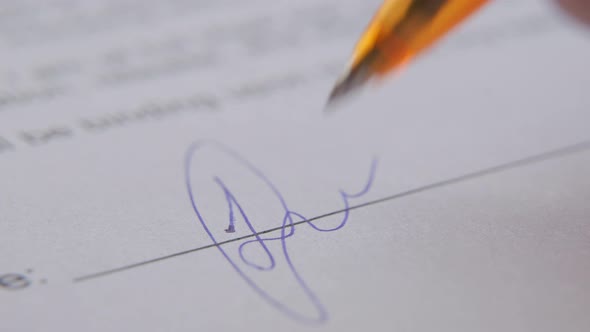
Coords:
pixel 554 154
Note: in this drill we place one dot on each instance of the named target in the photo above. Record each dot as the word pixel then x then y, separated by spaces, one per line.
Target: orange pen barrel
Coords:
pixel 402 29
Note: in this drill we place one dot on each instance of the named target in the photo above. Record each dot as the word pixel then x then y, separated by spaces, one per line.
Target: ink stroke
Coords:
pixel 250 208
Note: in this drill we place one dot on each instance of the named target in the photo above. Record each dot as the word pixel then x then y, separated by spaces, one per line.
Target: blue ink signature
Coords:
pixel 287 229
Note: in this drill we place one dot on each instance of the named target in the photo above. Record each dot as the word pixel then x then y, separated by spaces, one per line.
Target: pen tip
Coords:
pixel 345 87
pixel 335 96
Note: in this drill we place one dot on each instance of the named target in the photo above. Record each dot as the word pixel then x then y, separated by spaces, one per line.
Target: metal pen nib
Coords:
pixel 348 84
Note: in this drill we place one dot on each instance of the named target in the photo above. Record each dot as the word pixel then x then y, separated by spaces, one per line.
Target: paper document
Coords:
pixel 167 166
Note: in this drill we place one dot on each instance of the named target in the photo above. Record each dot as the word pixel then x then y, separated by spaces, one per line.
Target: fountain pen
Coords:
pixel 400 31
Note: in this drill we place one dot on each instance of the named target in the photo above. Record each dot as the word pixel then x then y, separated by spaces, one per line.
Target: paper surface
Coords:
pixel 154 156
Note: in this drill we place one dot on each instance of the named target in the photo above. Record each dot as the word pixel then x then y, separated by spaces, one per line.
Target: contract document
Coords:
pixel 168 166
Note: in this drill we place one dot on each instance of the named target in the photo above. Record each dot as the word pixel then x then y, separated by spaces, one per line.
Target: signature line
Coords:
pixel 535 159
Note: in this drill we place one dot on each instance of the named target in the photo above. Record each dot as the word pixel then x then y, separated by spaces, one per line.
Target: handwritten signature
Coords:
pixel 252 245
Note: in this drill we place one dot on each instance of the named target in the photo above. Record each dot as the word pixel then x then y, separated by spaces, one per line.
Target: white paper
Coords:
pixel 130 128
